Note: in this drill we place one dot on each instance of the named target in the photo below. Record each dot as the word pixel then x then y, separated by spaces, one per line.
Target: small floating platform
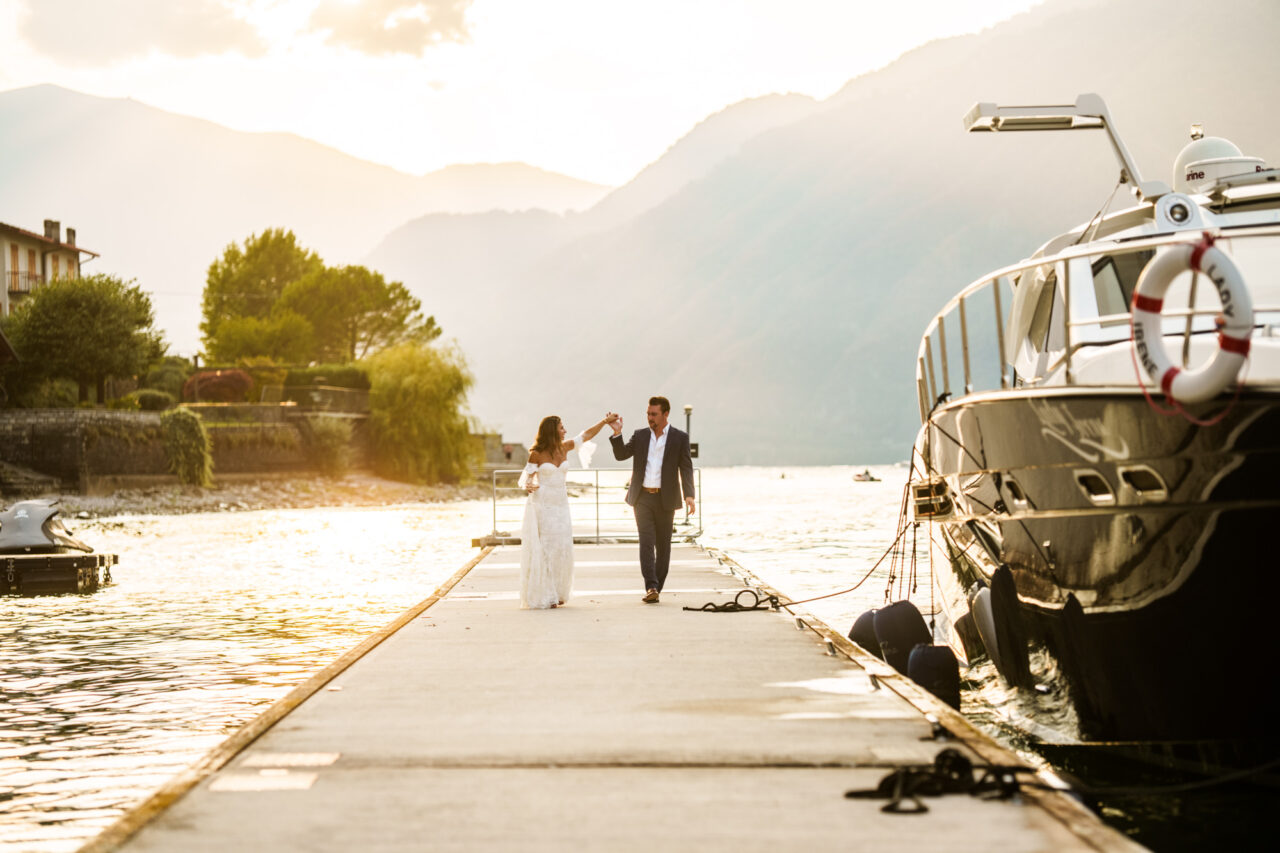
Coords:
pixel 50 574
pixel 608 724
pixel 39 556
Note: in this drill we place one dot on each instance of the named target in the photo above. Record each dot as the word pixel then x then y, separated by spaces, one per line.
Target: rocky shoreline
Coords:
pixel 285 493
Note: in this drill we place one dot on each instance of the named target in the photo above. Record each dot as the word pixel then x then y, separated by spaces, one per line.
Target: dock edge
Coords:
pixel 140 815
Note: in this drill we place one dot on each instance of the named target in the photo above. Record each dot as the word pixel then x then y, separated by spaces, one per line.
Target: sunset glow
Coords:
pixel 588 88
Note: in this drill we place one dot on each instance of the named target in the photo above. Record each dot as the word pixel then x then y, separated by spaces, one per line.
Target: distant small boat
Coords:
pixel 866 477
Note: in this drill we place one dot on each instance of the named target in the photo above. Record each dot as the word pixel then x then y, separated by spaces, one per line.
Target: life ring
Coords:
pixel 1192 386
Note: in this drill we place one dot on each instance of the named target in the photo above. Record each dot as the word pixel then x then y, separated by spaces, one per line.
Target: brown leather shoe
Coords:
pixel 651 597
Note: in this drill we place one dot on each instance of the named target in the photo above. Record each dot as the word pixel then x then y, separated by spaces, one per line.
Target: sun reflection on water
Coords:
pixel 212 618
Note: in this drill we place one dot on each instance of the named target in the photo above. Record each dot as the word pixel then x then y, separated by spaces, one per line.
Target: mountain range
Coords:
pixel 774 268
pixel 159 195
pixel 782 291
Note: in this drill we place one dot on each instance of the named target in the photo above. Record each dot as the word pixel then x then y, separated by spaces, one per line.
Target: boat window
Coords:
pixel 1039 331
pixel 1106 288
pixel 1095 487
pixel 1114 280
pixel 1145 482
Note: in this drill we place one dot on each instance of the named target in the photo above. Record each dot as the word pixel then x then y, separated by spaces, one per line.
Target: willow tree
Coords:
pixel 417 425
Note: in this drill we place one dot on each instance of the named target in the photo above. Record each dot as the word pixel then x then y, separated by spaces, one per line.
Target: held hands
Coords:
pixel 614 420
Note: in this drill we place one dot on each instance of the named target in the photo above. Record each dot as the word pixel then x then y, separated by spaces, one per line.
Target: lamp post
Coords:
pixel 688 416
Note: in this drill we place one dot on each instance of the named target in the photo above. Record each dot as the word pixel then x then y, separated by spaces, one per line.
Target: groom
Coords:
pixel 658 454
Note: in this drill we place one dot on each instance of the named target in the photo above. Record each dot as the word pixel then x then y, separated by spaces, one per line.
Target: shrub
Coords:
pixel 264 372
pixel 153 400
pixel 144 399
pixel 30 393
pixel 218 386
pixel 168 375
pixel 335 375
pixel 186 446
pixel 327 443
pixel 417 427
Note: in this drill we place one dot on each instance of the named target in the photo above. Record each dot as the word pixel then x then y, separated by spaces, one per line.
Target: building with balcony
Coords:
pixel 28 260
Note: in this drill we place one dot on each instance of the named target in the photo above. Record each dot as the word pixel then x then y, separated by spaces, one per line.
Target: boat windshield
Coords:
pixel 1114 279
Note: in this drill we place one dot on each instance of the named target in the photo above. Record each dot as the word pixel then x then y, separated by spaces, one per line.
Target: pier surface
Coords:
pixel 607 724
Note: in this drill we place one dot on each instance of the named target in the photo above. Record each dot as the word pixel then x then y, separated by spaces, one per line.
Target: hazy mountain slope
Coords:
pixel 467 268
pixel 783 294
pixel 160 195
pixel 456 262
pixel 712 141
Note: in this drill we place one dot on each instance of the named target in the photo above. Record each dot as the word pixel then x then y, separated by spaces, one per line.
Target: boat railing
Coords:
pixel 597 505
pixel 976 318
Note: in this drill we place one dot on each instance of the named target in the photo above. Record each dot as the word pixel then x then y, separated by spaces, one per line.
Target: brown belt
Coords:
pixel 651 491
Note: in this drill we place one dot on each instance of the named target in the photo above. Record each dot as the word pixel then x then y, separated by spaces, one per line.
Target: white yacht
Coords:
pixel 1098 464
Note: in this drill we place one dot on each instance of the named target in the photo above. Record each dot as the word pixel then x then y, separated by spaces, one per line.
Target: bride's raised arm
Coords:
pixel 579 441
pixel 586 435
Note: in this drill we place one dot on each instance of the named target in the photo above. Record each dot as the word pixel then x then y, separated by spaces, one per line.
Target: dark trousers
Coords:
pixel 654 524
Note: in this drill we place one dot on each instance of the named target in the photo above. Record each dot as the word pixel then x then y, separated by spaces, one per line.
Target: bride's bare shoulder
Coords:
pixel 536 457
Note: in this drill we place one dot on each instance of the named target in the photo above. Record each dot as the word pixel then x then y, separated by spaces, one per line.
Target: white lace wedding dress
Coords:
pixel 546 537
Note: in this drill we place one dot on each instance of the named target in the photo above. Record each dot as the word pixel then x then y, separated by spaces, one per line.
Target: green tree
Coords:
pixel 85 329
pixel 248 281
pixel 355 312
pixel 168 374
pixel 417 426
pixel 283 337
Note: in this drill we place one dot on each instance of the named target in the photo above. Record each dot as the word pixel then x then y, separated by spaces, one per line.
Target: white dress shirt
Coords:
pixel 653 464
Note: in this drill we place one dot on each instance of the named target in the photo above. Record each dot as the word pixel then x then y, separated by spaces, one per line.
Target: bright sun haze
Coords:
pixel 595 89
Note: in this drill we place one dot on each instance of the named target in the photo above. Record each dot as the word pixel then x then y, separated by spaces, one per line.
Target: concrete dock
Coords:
pixel 608 724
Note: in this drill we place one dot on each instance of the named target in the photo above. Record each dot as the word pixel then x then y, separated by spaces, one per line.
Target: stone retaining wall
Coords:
pixel 88 450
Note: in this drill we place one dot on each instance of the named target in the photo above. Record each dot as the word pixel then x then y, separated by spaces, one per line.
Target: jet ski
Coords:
pixel 39 556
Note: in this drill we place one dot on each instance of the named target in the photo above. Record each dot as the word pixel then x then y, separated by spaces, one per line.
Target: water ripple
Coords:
pixel 108 696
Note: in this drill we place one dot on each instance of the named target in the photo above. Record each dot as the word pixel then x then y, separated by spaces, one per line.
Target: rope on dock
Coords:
pixel 761 602
pixel 950 773
pixel 953 773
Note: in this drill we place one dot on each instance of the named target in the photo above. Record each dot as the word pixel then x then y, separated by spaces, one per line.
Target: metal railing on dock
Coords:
pixel 597 505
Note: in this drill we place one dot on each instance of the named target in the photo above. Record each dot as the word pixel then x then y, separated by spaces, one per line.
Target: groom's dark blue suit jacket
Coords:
pixel 675 460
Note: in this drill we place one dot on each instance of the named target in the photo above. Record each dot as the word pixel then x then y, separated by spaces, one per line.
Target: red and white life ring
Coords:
pixel 1192 386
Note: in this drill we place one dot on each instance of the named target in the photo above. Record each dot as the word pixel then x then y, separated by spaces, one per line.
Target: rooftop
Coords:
pixel 5 228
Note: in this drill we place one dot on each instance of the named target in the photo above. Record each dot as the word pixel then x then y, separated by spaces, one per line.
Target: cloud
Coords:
pixel 379 27
pixel 96 33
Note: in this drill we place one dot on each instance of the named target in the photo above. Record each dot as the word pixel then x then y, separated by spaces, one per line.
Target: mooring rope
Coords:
pixel 762 602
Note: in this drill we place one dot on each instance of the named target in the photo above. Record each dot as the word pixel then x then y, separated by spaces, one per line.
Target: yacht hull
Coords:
pixel 1140 548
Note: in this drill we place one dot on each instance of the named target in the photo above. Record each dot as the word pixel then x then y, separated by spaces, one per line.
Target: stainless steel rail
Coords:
pixel 932 363
pixel 597 505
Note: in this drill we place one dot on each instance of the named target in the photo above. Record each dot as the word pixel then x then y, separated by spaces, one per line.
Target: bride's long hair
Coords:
pixel 548 440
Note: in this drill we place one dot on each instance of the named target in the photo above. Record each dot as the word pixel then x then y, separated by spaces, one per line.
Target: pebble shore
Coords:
pixel 298 493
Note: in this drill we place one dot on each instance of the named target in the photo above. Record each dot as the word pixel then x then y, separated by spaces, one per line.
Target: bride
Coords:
pixel 546 537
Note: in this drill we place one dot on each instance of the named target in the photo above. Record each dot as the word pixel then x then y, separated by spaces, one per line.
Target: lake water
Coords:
pixel 214 616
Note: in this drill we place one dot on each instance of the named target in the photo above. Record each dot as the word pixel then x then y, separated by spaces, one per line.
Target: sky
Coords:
pixel 595 89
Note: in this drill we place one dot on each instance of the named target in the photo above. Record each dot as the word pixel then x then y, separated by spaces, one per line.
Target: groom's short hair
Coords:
pixel 662 403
